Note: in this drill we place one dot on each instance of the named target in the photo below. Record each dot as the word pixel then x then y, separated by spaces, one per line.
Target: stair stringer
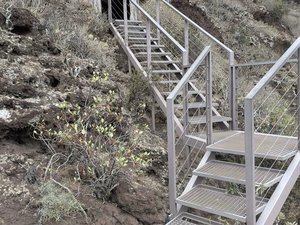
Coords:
pixel 281 193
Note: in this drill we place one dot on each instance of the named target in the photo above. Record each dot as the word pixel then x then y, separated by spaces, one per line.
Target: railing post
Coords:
pixel 158 19
pixel 171 157
pixel 298 103
pixel 209 128
pixel 148 34
pixel 249 162
pixel 186 123
pixel 186 38
pixel 109 11
pixel 125 22
pixel 233 104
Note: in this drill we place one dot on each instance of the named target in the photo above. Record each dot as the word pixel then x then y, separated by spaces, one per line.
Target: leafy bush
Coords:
pixel 96 145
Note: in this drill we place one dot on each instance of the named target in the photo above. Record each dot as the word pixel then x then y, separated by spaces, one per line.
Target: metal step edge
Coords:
pixel 166 71
pixel 194 105
pixel 160 62
pixel 134 33
pixel 153 53
pixel 170 81
pixel 234 172
pixel 141 46
pixel 202 119
pixel 130 26
pixel 218 202
pixel 141 39
pixel 182 218
pixel 241 151
pixel 165 93
pixel 128 21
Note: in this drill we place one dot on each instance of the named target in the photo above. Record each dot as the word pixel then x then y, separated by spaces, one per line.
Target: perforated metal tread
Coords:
pixel 266 145
pixel 202 119
pixel 194 105
pixel 216 201
pixel 190 219
pixel 143 46
pixel 129 22
pixel 233 172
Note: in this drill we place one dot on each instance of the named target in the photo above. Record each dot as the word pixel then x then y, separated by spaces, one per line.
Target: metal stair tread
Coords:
pixel 133 27
pixel 141 39
pixel 215 200
pixel 202 119
pixel 161 62
pixel 269 146
pixel 170 81
pixel 165 93
pixel 191 219
pixel 135 22
pixel 194 105
pixel 234 172
pixel 153 53
pixel 143 46
pixel 166 71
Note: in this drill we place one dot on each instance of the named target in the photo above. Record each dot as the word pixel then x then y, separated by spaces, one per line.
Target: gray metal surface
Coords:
pixel 143 46
pixel 202 119
pixel 216 201
pixel 265 145
pixel 153 54
pixel 191 219
pixel 166 71
pixel 236 173
pixel 194 105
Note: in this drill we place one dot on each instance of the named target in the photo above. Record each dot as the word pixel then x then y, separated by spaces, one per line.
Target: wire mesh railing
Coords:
pixel 194 39
pixel 271 107
pixel 179 104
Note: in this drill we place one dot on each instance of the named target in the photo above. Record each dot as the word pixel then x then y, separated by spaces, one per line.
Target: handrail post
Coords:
pixel 171 157
pixel 249 162
pixel 148 34
pixel 209 128
pixel 158 19
pixel 125 22
pixel 233 104
pixel 109 11
pixel 298 103
pixel 186 38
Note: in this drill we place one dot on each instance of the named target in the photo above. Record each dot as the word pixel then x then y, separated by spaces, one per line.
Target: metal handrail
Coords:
pixel 205 55
pixel 157 25
pixel 249 126
pixel 224 47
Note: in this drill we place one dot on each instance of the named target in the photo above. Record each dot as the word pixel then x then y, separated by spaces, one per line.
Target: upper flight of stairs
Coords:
pixel 165 73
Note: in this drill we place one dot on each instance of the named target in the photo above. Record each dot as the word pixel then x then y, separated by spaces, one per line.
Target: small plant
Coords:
pixel 232 188
pixel 279 217
pixel 278 9
pixel 261 188
pixel 57 203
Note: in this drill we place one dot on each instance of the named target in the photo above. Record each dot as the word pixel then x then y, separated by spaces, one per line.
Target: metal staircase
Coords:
pixel 199 137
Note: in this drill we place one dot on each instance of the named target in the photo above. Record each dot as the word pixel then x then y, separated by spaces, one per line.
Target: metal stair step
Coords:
pixel 131 27
pixel 166 93
pixel 215 200
pixel 202 119
pixel 190 219
pixel 268 146
pixel 129 22
pixel 170 81
pixel 155 54
pixel 143 46
pixel 134 33
pixel 233 172
pixel 139 39
pixel 195 105
pixel 156 62
pixel 165 71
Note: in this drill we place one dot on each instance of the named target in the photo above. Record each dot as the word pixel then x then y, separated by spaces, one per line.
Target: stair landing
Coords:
pixel 265 145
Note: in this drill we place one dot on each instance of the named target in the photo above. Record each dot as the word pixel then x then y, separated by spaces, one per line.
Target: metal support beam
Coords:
pixel 281 193
pixel 250 163
pixel 209 124
pixel 171 157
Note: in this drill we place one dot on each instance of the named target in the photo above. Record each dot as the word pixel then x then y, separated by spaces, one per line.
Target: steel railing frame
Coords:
pixel 204 56
pixel 249 126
